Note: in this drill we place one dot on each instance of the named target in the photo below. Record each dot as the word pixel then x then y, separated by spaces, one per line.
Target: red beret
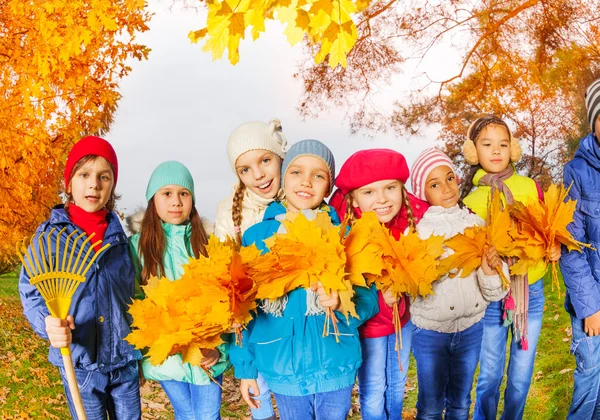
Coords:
pixel 372 165
pixel 91 145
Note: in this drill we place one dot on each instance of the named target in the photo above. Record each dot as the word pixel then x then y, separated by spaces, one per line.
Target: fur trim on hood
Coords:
pixel 134 222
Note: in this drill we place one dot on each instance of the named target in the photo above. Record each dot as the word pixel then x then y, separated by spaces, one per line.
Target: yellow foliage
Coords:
pixel 543 224
pixel 191 313
pixel 61 63
pixel 310 251
pixel 469 247
pixel 326 24
pixel 407 265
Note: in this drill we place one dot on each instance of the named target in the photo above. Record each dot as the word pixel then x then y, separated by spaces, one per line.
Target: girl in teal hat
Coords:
pixel 171 232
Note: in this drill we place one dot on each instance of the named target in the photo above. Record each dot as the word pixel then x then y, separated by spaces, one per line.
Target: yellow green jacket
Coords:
pixel 523 190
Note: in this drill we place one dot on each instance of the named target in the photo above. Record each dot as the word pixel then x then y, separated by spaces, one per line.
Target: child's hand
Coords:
pixel 389 298
pixel 555 252
pixel 211 357
pixel 489 261
pixel 245 386
pixel 591 325
pixel 59 331
pixel 328 301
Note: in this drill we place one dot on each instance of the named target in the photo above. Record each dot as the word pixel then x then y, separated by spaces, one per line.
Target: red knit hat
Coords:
pixel 91 145
pixel 365 167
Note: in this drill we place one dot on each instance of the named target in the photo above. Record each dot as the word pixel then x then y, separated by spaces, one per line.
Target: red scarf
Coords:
pixel 89 222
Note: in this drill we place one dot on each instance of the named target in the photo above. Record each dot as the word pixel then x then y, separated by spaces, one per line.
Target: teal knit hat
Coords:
pixel 170 173
pixel 310 148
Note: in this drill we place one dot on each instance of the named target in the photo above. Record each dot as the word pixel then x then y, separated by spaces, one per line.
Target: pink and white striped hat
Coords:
pixel 426 162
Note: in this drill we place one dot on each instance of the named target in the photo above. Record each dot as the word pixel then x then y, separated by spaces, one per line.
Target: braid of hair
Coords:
pixel 409 211
pixel 482 122
pixel 349 218
pixel 236 212
pixel 467 185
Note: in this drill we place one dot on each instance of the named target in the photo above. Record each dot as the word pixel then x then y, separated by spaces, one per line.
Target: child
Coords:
pixel 580 270
pixel 493 151
pixel 447 336
pixel 255 151
pixel 373 180
pixel 309 374
pixel 171 233
pixel 105 365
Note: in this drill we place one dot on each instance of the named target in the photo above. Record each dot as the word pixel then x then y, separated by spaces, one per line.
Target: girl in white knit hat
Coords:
pixel 255 151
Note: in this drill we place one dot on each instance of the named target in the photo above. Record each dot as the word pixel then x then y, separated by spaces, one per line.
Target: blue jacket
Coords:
pixel 290 351
pixel 581 270
pixel 99 304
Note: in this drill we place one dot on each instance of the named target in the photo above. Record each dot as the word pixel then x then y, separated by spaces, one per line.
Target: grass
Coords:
pixel 31 388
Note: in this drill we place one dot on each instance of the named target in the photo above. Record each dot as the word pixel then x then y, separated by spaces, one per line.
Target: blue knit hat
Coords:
pixel 170 173
pixel 310 148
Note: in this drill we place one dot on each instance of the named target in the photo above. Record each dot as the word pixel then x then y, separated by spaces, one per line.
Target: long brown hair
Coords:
pixel 110 205
pixel 153 244
pixel 350 217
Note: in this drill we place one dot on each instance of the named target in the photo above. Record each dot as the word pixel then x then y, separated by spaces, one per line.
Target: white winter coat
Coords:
pixel 457 303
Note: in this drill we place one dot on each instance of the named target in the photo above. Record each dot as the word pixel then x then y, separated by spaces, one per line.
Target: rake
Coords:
pixel 57 280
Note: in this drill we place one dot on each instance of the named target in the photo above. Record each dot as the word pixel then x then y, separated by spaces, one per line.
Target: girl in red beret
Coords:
pixel 373 180
pixel 105 365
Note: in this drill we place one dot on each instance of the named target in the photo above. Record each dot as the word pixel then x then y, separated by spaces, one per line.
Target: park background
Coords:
pixel 179 104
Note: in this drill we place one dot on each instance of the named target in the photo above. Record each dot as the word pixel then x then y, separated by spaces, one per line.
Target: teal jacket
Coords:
pixel 290 351
pixel 177 254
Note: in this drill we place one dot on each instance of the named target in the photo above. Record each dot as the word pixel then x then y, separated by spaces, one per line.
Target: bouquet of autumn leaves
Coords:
pixel 408 264
pixel 541 226
pixel 309 252
pixel 190 314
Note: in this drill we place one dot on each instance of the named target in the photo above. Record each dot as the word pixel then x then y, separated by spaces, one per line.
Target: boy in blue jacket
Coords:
pixel 105 365
pixel 582 270
pixel 307 373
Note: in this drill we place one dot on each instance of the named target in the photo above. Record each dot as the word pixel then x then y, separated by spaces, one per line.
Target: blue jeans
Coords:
pixel 380 380
pixel 194 402
pixel 586 402
pixel 333 405
pixel 446 364
pixel 265 411
pixel 116 393
pixel 520 365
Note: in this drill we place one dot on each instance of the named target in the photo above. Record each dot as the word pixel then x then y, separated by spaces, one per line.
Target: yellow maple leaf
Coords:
pixel 544 223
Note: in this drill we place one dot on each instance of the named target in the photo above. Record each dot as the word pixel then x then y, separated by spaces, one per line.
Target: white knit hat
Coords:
pixel 256 135
pixel 426 162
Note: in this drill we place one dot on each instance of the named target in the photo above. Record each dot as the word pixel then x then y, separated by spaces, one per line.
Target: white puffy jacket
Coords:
pixel 457 303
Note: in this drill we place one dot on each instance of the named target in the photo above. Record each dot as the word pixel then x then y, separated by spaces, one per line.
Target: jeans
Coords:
pixel 333 405
pixel 116 392
pixel 265 411
pixel 520 365
pixel 585 403
pixel 380 380
pixel 446 364
pixel 194 402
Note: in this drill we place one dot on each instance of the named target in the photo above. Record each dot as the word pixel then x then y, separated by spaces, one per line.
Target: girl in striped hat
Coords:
pixel 448 329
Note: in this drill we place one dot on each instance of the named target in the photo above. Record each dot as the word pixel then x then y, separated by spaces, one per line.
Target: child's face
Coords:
pixel 384 197
pixel 441 187
pixel 493 148
pixel 91 185
pixel 259 170
pixel 597 128
pixel 306 183
pixel 173 204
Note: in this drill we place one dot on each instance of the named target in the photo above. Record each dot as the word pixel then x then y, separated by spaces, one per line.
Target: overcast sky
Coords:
pixel 180 105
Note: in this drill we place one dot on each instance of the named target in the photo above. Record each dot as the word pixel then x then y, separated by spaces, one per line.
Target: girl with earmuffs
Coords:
pixel 493 152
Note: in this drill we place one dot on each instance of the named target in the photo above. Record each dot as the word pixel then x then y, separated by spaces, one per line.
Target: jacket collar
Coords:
pixel 59 216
